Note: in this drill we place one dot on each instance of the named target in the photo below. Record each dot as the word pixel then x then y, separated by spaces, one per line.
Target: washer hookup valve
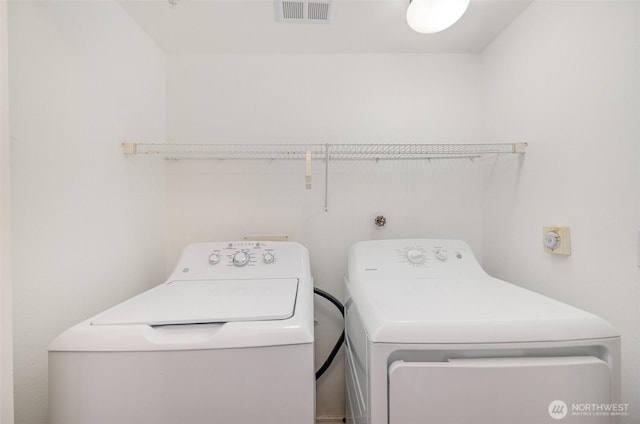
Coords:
pixel 380 221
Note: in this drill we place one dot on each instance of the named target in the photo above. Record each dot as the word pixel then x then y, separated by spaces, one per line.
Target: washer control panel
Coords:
pixel 242 254
pixel 242 259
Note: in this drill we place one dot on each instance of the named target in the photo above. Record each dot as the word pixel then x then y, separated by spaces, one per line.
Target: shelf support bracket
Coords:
pixel 519 147
pixel 326 178
pixel 129 148
pixel 307 179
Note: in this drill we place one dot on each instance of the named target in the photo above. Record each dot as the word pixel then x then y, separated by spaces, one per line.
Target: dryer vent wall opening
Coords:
pixel 305 11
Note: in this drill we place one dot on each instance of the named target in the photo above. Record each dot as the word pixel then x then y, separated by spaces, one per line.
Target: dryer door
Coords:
pixel 501 391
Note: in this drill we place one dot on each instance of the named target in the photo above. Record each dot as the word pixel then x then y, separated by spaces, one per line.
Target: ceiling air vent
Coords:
pixel 305 11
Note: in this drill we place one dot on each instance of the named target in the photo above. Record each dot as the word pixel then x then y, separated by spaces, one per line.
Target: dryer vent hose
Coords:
pixel 336 347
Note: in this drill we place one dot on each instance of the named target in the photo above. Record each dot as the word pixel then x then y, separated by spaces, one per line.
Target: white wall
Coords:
pixel 88 224
pixel 323 99
pixel 83 78
pixel 566 77
pixel 6 348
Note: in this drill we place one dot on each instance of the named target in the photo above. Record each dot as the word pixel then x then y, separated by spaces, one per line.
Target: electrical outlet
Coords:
pixel 557 240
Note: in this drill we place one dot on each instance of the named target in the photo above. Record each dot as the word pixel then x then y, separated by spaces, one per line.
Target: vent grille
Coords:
pixel 318 11
pixel 292 10
pixel 305 11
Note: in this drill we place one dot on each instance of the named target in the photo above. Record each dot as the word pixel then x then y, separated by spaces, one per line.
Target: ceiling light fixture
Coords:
pixel 431 16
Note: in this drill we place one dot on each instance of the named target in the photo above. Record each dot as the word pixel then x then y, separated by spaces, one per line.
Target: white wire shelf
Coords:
pixel 320 151
pixel 325 152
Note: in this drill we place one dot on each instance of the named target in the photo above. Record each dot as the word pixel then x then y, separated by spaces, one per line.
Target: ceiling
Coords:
pixel 360 26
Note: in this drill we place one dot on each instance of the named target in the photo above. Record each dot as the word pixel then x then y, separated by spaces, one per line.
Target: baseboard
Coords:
pixel 330 419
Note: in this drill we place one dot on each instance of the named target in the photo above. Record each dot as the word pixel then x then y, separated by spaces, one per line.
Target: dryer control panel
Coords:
pixel 412 258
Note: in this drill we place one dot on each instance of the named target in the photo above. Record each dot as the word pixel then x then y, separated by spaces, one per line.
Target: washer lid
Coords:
pixel 206 301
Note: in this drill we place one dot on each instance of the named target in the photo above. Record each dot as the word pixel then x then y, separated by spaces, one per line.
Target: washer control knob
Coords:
pixel 441 255
pixel 241 259
pixel 268 258
pixel 416 256
pixel 214 258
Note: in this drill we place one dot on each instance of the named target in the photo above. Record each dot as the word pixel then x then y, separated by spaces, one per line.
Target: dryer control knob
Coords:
pixel 416 256
pixel 441 255
pixel 268 258
pixel 240 259
pixel 214 258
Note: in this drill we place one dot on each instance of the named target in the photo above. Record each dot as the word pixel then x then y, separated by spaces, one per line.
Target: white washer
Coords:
pixel 228 338
pixel 432 338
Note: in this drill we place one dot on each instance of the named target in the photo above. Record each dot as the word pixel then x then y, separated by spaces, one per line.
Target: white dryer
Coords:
pixel 228 338
pixel 432 339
